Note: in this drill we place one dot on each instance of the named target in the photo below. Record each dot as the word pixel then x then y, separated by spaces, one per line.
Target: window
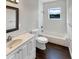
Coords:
pixel 54 13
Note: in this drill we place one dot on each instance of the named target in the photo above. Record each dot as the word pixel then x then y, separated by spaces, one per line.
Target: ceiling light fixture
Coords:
pixel 17 1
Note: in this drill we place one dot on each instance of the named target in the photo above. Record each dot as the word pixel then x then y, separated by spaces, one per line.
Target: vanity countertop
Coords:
pixel 25 37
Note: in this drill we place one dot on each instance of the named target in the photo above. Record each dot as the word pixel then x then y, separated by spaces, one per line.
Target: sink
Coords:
pixel 14 43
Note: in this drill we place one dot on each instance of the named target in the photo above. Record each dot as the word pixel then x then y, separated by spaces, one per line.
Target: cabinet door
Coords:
pixel 25 54
pixel 31 48
pixel 33 52
pixel 19 54
pixel 12 56
pixel 29 45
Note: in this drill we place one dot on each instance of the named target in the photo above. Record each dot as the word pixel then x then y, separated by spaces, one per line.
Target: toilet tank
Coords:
pixel 35 32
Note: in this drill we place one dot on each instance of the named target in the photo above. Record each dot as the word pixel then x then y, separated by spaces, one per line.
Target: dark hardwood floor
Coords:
pixel 53 51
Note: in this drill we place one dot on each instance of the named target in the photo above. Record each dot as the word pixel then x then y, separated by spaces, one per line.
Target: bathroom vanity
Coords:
pixel 22 47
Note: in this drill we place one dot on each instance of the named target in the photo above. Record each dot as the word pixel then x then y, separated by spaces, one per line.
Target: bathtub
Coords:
pixel 56 38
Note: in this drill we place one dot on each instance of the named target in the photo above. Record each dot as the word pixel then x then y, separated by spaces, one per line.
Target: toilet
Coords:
pixel 40 40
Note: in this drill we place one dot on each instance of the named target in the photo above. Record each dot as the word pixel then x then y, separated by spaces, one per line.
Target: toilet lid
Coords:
pixel 42 39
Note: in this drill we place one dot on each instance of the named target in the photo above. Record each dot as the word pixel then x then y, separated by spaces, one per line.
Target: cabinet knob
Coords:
pixel 19 50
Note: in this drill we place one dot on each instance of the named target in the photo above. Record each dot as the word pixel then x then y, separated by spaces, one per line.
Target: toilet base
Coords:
pixel 41 46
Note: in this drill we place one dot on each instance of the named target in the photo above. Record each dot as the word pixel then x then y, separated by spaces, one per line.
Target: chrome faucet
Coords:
pixel 9 38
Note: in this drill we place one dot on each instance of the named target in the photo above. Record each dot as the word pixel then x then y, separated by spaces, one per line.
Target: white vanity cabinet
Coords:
pixel 31 51
pixel 11 56
pixel 25 51
pixel 25 54
pixel 17 54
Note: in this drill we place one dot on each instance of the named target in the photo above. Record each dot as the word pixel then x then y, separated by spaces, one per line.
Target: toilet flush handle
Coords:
pixel 41 28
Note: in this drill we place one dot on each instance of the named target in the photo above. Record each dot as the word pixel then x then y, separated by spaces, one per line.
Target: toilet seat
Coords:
pixel 42 39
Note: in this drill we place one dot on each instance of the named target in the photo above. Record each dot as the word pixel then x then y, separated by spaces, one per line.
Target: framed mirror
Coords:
pixel 12 19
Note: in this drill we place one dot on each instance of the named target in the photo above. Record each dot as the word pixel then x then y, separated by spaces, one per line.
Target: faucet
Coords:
pixel 9 38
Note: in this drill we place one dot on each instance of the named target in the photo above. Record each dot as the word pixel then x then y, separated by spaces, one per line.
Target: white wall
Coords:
pixel 69 25
pixel 57 26
pixel 27 16
pixel 33 14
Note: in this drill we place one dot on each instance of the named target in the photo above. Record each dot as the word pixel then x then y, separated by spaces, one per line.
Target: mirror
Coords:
pixel 12 19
